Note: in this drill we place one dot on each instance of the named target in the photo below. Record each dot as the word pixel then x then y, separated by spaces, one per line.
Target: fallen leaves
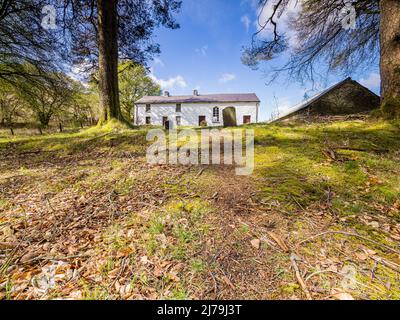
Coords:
pixel 256 243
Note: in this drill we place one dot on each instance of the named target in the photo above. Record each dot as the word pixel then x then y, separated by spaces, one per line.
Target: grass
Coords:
pixel 292 159
pixel 175 232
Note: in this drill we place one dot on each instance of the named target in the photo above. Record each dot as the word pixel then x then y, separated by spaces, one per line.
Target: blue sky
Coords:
pixel 205 53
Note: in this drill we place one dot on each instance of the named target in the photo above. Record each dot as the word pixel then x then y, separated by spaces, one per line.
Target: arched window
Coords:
pixel 216 114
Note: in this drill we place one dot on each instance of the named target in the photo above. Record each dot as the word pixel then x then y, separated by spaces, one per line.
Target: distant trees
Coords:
pixel 46 97
pixel 10 107
pixel 53 97
pixel 24 40
pixel 94 34
pixel 134 83
pixel 84 105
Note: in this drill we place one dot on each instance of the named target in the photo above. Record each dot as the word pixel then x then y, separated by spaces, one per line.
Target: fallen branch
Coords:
pixel 44 258
pixel 386 263
pixel 299 278
pixel 97 137
pixel 279 241
pixel 363 149
pixel 35 152
pixel 349 234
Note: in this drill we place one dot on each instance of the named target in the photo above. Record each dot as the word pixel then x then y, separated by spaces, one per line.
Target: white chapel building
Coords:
pixel 198 110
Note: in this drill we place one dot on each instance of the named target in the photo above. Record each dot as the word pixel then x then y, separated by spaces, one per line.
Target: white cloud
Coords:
pixel 373 81
pixel 246 22
pixel 171 83
pixel 226 77
pixel 283 104
pixel 158 62
pixel 202 51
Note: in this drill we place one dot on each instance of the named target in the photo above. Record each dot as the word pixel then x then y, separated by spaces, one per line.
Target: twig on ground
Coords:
pixel 373 270
pixel 215 283
pixel 200 173
pixel 295 200
pixel 279 241
pixel 299 278
pixel 123 267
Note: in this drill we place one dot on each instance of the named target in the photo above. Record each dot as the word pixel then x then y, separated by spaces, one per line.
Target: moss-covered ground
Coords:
pixel 83 216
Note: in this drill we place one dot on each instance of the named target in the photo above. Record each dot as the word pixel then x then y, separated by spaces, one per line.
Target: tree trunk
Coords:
pixel 390 48
pixel 108 60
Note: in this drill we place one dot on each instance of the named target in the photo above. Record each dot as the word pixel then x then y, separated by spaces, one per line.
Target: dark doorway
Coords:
pixel 246 119
pixel 168 125
pixel 164 120
pixel 202 120
pixel 229 115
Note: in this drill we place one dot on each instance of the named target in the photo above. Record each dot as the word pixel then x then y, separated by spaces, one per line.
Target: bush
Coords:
pixel 391 108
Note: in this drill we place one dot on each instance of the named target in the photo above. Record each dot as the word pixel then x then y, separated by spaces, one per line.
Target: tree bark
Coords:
pixel 390 48
pixel 108 60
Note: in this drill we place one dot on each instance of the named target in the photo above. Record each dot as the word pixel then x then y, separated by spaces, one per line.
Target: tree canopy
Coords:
pixel 134 83
pixel 317 37
pixel 92 35
pixel 24 40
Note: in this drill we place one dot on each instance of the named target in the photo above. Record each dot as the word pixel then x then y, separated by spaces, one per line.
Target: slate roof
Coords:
pixel 212 98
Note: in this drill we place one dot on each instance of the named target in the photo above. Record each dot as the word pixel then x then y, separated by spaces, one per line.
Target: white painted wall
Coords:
pixel 191 112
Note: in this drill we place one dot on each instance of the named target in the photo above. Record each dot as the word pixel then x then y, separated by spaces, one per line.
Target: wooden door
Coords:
pixel 229 115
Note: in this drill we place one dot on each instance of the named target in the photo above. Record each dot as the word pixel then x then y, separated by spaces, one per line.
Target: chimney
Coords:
pixel 195 92
pixel 166 93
